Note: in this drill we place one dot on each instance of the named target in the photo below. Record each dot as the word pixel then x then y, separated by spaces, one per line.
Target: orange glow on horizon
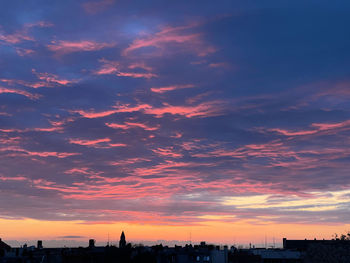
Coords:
pixel 213 232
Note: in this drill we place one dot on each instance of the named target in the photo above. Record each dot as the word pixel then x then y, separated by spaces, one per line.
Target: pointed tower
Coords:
pixel 122 242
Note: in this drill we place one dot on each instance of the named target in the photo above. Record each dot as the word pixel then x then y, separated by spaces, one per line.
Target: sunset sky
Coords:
pixel 226 121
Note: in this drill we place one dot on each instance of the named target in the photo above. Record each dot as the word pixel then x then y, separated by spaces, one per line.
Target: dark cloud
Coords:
pixel 172 110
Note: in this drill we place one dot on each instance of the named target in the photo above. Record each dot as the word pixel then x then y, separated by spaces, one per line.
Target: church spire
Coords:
pixel 122 242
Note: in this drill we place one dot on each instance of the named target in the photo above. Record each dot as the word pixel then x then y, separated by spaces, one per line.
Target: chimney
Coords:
pixel 39 244
pixel 91 243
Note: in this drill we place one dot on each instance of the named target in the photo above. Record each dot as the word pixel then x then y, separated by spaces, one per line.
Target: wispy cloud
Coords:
pixel 66 46
pixel 22 34
pixel 317 128
pixel 182 35
pixel 212 108
pixel 20 151
pixel 98 143
pixel 130 125
pixel 19 92
pixel 167 152
pixel 115 68
pixel 171 88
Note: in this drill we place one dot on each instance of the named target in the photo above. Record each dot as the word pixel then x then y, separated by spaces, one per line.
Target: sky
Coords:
pixel 174 120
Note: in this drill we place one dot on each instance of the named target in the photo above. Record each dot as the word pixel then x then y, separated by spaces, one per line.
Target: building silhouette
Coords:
pixel 122 241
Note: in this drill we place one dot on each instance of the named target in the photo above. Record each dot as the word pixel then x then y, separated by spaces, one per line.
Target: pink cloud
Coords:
pixel 65 47
pixel 118 126
pixel 99 143
pixel 128 108
pixel 167 152
pixel 198 97
pixel 52 154
pixel 140 65
pixel 23 51
pixel 128 161
pixel 58 124
pixel 294 133
pixel 20 92
pixel 82 170
pixel 136 75
pixel 38 24
pixel 94 7
pixel 129 125
pixel 270 150
pixel 213 108
pixel 118 108
pixel 22 34
pixel 52 78
pixel 46 80
pixel 208 109
pixel 329 126
pixel 117 144
pixel 88 142
pixel 170 88
pixel 48 129
pixel 93 114
pixel 9 140
pixel 115 68
pixel 5 113
pixel 318 128
pixel 108 67
pixel 16 37
pixel 171 35
pixel 221 65
pixel 167 167
pixel 9 130
pixel 177 135
pixel 339 89
pixel 40 154
pixel 34 85
pixel 15 178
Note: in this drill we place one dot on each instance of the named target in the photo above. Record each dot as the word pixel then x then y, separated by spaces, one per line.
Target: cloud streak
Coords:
pixel 65 47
